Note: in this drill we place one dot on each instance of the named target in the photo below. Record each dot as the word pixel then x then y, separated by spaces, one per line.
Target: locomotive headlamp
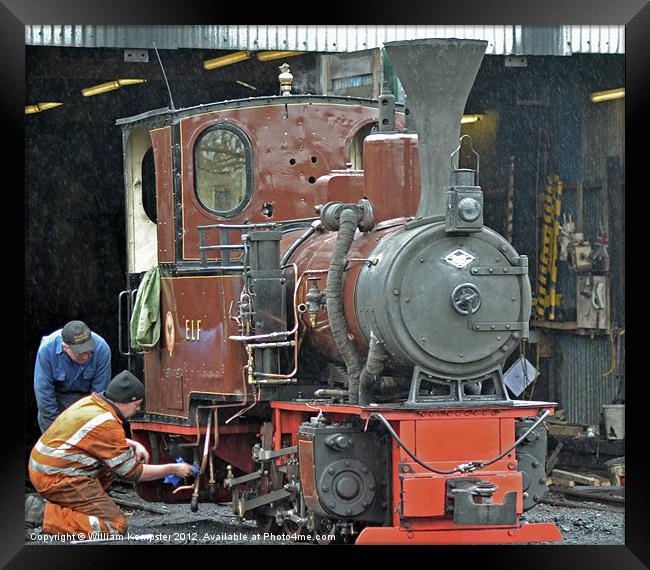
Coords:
pixel 469 209
pixel 464 197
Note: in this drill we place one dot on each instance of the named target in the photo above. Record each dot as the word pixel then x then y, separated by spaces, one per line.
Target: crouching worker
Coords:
pixel 75 460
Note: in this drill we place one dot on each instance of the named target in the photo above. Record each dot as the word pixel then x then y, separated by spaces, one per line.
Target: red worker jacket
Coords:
pixel 82 440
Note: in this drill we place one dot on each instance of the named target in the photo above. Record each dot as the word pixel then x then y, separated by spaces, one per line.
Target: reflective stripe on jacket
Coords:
pixel 83 439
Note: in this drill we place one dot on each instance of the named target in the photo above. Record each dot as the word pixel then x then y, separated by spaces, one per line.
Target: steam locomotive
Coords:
pixel 334 316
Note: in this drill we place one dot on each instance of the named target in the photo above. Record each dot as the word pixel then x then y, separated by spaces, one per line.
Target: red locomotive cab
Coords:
pixel 333 315
pixel 186 173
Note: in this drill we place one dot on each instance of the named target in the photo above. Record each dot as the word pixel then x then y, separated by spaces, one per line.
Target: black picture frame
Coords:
pixel 634 14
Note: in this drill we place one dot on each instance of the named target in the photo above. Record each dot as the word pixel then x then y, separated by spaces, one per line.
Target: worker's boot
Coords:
pixel 34 510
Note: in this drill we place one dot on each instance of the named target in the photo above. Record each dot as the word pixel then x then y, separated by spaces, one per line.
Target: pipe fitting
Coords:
pixel 330 214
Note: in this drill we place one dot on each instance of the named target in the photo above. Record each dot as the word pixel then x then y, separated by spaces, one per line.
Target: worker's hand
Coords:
pixel 141 453
pixel 183 469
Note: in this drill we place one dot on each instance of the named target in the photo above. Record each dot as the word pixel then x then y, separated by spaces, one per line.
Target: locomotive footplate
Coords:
pixel 458 483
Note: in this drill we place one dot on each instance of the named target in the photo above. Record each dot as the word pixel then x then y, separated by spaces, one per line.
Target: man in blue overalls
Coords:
pixel 71 363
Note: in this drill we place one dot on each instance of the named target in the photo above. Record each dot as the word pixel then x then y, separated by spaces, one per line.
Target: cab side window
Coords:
pixel 356 145
pixel 223 170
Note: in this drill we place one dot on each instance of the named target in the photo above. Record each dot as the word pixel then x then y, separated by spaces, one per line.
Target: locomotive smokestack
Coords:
pixel 437 75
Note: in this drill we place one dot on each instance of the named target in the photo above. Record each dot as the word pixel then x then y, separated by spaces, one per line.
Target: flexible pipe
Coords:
pixel 373 367
pixel 463 467
pixel 348 224
pixel 316 224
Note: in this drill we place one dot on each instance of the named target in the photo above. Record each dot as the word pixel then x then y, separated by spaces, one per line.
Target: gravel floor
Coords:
pixel 586 524
pixel 591 523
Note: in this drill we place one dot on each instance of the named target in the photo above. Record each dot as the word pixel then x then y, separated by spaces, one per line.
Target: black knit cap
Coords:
pixel 125 388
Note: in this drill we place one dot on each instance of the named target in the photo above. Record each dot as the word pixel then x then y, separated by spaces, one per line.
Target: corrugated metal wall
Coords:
pixel 581 361
pixel 503 40
pixel 580 385
pixel 603 136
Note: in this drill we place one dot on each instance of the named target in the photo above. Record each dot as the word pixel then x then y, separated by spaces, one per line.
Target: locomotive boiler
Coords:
pixel 334 315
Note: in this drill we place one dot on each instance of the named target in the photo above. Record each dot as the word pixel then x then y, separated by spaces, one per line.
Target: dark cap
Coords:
pixel 125 388
pixel 76 334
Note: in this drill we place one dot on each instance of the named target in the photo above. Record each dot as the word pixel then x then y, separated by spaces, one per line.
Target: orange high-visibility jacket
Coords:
pixel 83 439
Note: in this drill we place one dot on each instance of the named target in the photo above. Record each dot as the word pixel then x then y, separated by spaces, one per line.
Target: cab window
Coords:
pixel 356 145
pixel 222 168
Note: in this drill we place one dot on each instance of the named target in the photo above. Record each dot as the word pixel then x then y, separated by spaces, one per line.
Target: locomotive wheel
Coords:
pixel 323 534
pixel 290 527
pixel 267 524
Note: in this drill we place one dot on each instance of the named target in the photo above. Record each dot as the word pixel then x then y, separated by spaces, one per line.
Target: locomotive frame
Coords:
pixel 316 438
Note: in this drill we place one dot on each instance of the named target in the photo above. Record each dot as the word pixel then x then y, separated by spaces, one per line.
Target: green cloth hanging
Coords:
pixel 145 320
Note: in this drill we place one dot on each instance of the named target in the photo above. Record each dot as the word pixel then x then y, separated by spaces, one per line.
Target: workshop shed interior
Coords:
pixel 535 120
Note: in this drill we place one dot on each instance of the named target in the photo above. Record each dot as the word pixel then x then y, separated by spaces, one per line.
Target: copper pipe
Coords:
pixel 295 330
pixel 197 479
pixel 211 481
pixel 256 397
pixel 282 343
pixel 275 334
pixel 204 460
pixel 255 400
pixel 216 429
pixel 215 426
